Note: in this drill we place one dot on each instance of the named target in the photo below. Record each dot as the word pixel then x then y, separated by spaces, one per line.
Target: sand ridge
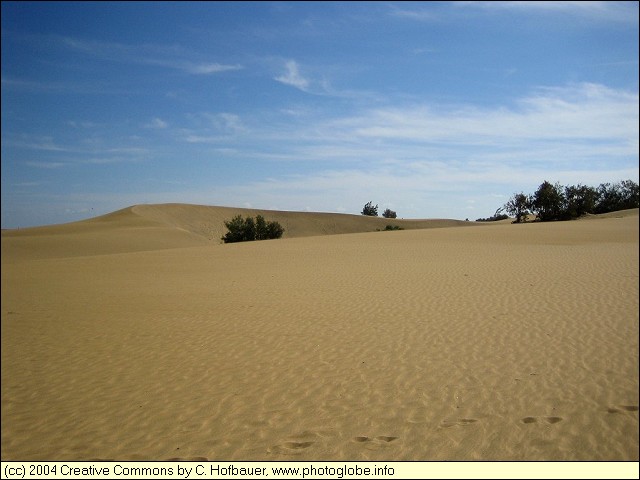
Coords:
pixel 163 226
pixel 209 221
pixel 506 342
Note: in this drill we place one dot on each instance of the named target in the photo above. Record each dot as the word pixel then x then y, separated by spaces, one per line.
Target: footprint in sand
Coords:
pixel 299 442
pixel 297 445
pixel 374 443
pixel 546 419
pixel 553 419
pixel 290 448
pixel 461 422
pixel 621 408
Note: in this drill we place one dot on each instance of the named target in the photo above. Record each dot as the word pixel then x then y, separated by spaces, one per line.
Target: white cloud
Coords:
pixel 82 124
pixel 594 11
pixel 293 77
pixel 46 165
pixel 585 112
pixel 207 68
pixel 620 12
pixel 157 123
pixel 427 159
pixel 229 122
pixel 419 14
pixel 158 55
pixel 107 160
pixel 213 128
pixel 34 142
pixel 27 184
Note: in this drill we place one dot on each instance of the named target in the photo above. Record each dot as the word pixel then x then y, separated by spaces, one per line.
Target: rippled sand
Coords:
pixel 137 336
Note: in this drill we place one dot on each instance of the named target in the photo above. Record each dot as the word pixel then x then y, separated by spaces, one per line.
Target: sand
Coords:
pixel 139 336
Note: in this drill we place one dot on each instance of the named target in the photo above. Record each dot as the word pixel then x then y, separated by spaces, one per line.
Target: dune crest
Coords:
pixel 208 221
pixel 176 225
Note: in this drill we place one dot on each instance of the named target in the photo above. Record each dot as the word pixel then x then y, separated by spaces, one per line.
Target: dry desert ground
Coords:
pixel 138 335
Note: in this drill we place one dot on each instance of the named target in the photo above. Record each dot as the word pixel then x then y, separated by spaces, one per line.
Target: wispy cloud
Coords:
pixel 421 13
pixel 83 160
pixel 228 122
pixel 583 112
pixel 27 184
pixel 78 145
pixel 293 77
pixel 31 142
pixel 207 68
pixel 583 126
pixel 82 124
pixel 319 84
pixel 157 123
pixel 622 12
pixel 597 11
pixel 157 55
pixel 46 165
pixel 213 128
pixel 17 83
pixel 102 87
pixel 585 133
pixel 107 160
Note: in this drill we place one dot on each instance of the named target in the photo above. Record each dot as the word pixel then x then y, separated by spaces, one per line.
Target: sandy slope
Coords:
pixel 133 336
pixel 209 221
pixel 154 227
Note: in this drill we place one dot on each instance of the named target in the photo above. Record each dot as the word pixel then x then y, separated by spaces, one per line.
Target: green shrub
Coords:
pixel 389 214
pixel 248 229
pixel 493 218
pixel 518 206
pixel 370 210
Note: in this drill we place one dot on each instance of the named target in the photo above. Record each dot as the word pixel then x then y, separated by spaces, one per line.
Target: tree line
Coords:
pixel 548 202
pixel 558 202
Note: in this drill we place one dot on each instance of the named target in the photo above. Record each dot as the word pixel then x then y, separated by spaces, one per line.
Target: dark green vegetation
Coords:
pixel 248 229
pixel 370 210
pixel 389 214
pixel 495 217
pixel 556 202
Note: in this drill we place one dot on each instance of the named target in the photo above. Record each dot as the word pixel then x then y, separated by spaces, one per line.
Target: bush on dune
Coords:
pixel 495 217
pixel 370 210
pixel 248 229
pixel 388 213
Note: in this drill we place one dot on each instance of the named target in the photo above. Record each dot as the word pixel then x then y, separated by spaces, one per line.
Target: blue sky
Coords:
pixel 435 109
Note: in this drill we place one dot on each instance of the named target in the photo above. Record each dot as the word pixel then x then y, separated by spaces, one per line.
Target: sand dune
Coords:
pixel 154 227
pixel 137 335
pixel 209 221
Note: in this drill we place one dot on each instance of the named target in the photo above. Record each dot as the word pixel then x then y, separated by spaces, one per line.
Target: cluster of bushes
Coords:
pixel 248 229
pixel 391 227
pixel 372 211
pixel 495 217
pixel 557 202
